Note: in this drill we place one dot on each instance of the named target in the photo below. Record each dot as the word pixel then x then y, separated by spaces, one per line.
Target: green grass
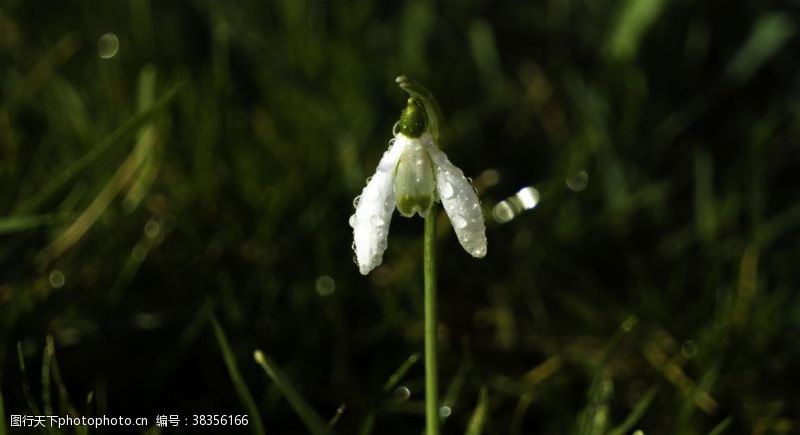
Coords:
pixel 209 168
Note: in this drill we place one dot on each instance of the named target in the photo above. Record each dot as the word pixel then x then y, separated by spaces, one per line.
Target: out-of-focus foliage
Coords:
pixel 165 161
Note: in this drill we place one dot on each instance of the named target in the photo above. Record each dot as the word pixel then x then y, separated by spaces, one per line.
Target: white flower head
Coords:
pixel 413 174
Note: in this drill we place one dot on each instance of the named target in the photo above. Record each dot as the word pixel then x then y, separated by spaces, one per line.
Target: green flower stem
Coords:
pixel 431 373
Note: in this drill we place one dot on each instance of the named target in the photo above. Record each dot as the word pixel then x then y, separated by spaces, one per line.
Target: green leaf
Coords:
pixel 257 426
pixel 315 424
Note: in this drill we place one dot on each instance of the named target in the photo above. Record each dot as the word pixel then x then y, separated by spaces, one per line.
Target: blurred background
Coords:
pixel 165 162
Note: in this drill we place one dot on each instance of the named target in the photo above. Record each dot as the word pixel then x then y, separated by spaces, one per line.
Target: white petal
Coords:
pixel 374 210
pixel 459 201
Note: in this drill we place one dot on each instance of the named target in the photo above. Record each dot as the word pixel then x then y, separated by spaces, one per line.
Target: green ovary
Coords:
pixel 414 183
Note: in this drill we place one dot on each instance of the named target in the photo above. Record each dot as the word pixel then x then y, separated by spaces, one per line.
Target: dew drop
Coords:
pixel 459 222
pixel 402 393
pixel 353 220
pixel 369 179
pixel 372 194
pixel 356 201
pixel 445 411
pixel 396 129
pixel 376 220
pixel 447 190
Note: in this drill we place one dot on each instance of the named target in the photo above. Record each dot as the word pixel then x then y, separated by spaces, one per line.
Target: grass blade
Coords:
pixel 121 134
pixel 26 386
pixel 636 414
pixel 46 402
pixel 310 418
pixel 257 428
pixel 3 424
pixel 64 402
pixel 718 429
pixel 478 419
pixel 16 224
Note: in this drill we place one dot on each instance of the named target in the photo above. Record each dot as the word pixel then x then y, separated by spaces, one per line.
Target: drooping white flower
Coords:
pixel 411 175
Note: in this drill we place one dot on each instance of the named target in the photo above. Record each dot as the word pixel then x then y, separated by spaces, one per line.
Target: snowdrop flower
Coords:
pixel 412 174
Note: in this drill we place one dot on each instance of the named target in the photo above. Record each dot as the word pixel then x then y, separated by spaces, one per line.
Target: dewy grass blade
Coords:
pixel 257 426
pixel 314 423
pixel 401 371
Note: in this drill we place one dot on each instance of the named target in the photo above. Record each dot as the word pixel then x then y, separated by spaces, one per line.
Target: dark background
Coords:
pixel 207 165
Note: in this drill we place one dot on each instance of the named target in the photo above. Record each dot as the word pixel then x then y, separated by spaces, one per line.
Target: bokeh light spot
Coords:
pixel 325 285
pixel 108 46
pixel 578 182
pixel 57 279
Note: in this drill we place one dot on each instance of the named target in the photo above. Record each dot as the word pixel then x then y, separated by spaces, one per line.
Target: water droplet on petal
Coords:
pixel 353 221
pixel 396 129
pixel 376 220
pixel 459 222
pixel 372 194
pixel 369 179
pixel 356 201
pixel 446 191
